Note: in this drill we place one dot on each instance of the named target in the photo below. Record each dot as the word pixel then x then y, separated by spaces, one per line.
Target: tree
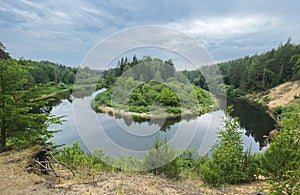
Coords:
pixel 157 76
pixel 3 53
pixel 296 68
pixel 161 159
pixel 134 60
pixel 262 71
pixel 228 163
pixel 21 120
pixel 168 97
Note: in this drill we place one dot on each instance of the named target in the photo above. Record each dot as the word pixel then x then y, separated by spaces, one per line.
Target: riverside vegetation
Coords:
pixel 154 87
pixel 23 123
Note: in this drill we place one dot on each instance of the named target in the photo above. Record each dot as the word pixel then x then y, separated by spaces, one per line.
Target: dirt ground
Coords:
pixel 15 179
pixel 283 94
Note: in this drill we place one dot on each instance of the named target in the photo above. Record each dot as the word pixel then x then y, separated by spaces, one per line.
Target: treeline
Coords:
pixel 165 69
pixel 263 71
pixel 258 72
pixel 42 72
pixel 45 71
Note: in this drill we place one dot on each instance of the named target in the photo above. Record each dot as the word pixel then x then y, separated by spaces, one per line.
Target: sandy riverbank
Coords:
pixel 146 116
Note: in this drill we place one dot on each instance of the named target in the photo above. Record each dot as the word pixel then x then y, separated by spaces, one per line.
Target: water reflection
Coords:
pixel 253 119
pixel 130 135
pixel 164 124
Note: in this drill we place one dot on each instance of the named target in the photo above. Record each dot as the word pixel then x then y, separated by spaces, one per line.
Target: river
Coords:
pixel 119 136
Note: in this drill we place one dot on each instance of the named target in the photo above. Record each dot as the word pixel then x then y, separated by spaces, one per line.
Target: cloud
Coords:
pixel 231 35
pixel 224 27
pixel 229 28
pixel 50 27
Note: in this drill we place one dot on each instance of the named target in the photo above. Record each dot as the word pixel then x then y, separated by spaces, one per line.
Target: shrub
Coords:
pixel 135 117
pixel 139 109
pixel 174 110
pixel 281 162
pixel 189 162
pixel 61 85
pixel 99 110
pixel 76 158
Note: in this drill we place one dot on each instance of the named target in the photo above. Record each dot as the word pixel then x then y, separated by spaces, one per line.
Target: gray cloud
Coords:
pixel 65 31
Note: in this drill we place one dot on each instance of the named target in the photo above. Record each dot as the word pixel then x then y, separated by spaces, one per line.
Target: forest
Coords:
pixel 261 72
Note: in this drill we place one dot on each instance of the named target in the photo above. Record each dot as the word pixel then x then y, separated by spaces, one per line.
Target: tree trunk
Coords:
pixel 3 138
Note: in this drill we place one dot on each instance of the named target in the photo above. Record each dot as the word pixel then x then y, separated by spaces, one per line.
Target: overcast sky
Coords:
pixel 64 31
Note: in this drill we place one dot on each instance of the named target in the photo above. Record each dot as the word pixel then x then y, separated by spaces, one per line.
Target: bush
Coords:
pixel 281 162
pixel 139 109
pixel 174 110
pixel 76 158
pixel 103 98
pixel 189 162
pixel 99 110
pixel 61 85
pixel 136 117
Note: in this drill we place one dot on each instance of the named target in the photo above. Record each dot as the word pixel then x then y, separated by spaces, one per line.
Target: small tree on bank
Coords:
pixel 229 163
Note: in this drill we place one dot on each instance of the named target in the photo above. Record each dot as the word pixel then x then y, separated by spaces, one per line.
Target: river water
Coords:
pixel 119 136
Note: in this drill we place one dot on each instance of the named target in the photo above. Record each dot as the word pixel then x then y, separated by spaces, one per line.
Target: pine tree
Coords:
pixel 134 60
pixel 21 120
pixel 229 163
pixel 3 53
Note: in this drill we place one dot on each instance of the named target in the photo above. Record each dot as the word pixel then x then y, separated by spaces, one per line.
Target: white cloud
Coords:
pixel 224 27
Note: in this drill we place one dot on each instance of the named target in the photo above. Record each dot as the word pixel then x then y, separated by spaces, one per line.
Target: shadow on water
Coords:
pixel 253 119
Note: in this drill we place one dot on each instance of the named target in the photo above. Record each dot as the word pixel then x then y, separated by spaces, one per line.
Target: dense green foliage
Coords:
pixel 258 72
pixel 196 78
pixel 45 72
pixel 41 72
pixel 156 87
pixel 145 73
pixel 76 158
pixel 281 162
pixel 263 71
pixel 21 120
pixel 153 97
